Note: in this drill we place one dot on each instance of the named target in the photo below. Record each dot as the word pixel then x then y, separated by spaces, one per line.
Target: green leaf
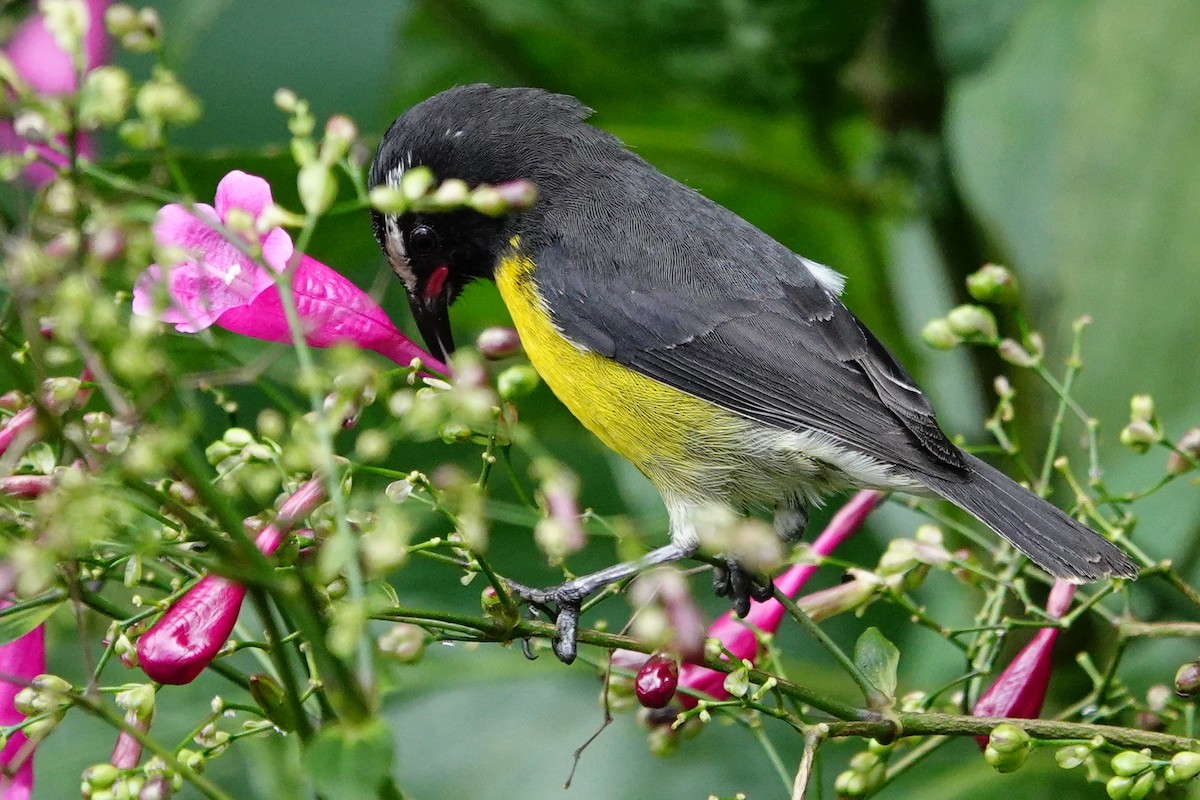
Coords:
pixel 17 621
pixel 351 762
pixel 877 659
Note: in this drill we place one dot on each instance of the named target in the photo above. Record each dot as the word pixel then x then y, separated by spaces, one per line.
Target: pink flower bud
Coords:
pixel 497 343
pixel 1020 689
pixel 189 635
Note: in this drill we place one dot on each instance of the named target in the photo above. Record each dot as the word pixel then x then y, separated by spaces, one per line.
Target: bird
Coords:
pixel 722 364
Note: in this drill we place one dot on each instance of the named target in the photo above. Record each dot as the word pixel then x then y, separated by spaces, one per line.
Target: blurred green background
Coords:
pixel 902 142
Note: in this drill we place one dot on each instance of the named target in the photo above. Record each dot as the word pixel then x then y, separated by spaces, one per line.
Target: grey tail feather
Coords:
pixel 1053 540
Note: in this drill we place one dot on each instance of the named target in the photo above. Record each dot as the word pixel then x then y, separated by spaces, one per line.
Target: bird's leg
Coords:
pixel 732 580
pixel 563 602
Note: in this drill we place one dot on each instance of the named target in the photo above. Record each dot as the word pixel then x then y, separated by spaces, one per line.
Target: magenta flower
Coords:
pixel 22 660
pixel 218 283
pixel 1020 689
pixel 50 70
pixel 189 635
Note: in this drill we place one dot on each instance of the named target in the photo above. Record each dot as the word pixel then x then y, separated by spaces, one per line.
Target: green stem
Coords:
pixel 97 708
pixel 875 698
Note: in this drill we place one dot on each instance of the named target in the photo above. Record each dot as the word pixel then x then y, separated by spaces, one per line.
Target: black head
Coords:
pixel 478 134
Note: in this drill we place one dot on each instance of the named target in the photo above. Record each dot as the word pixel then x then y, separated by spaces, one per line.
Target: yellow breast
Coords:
pixel 661 430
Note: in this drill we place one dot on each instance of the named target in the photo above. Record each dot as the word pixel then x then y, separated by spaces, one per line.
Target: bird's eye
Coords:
pixel 422 240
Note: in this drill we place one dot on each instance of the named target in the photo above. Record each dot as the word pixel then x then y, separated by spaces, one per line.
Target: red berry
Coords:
pixel 656 681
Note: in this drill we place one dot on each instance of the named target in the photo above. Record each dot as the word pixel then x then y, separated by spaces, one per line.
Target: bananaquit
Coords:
pixel 719 362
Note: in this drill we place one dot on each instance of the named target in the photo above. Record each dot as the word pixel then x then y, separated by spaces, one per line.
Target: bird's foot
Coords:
pixel 563 605
pixel 730 579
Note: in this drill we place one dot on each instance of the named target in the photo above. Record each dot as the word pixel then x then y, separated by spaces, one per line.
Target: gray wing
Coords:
pixel 764 340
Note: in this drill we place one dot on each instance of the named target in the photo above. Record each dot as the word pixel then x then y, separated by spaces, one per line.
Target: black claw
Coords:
pixel 562 606
pixel 720 581
pixel 731 580
pixel 527 650
pixel 567 626
pixel 762 592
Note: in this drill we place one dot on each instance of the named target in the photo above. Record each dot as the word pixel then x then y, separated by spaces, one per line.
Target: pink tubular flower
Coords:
pixel 1020 689
pixel 189 635
pixel 22 659
pixel 218 283
pixel 50 70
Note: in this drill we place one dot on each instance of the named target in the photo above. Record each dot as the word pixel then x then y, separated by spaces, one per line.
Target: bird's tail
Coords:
pixel 1052 539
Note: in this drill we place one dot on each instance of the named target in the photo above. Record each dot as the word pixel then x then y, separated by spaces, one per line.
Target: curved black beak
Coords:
pixel 432 315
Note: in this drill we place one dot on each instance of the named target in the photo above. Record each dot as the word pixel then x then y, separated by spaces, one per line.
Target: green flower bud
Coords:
pixel 340 133
pixel 137 698
pixel 663 740
pixel 190 758
pixel 850 783
pixel 489 600
pixel 498 343
pixel 140 134
pixel 864 760
pixel 620 694
pixel 974 323
pixel 1141 406
pixel 403 643
pixel 737 683
pixel 237 438
pixel 1142 786
pixel 146 36
pixel 52 686
pixel 1118 787
pixel 163 98
pixel 416 183
pixel 1012 352
pixel 1072 756
pixel 317 187
pixel 60 201
pixel 993 283
pixel 486 200
pixel 1184 766
pixel 1008 747
pixel 26 702
pixel 1129 762
pixel 285 100
pixel 388 200
pixel 40 729
pixel 269 696
pixel 1189 452
pixel 516 381
pixel 938 334
pixel 104 97
pixel 66 20
pixel 100 776
pixel 1139 435
pixel 120 19
pixel 451 194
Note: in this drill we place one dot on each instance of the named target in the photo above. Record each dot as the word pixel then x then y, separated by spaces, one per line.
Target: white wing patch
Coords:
pixel 831 279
